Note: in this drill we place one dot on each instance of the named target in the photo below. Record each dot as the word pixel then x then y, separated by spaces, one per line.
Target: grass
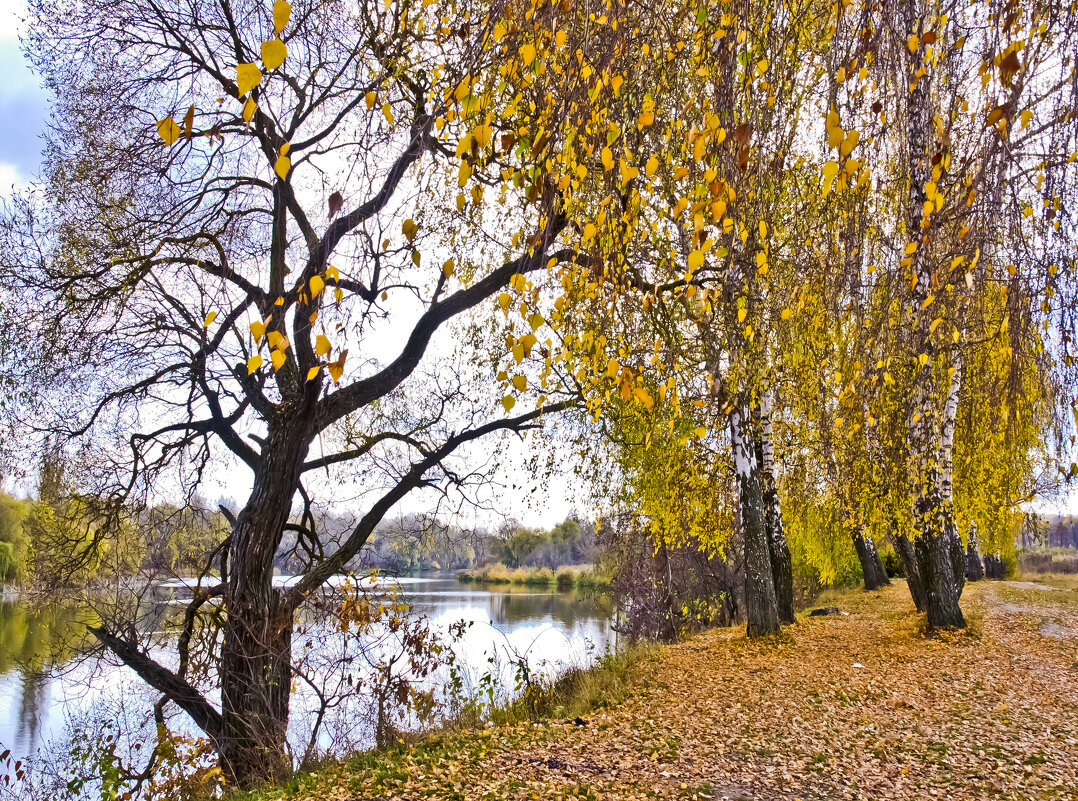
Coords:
pixel 1048 560
pixel 566 577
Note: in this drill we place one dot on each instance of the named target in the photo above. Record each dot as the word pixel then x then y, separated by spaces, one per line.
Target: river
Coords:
pixel 45 687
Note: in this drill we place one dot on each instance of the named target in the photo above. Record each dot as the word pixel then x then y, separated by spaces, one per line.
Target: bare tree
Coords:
pixel 225 266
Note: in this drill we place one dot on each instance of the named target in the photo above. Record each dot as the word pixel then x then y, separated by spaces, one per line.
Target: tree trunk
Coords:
pixel 904 549
pixel 779 548
pixel 761 606
pixel 933 548
pixel 256 672
pixel 871 566
pixel 935 559
pixel 974 568
pixel 881 571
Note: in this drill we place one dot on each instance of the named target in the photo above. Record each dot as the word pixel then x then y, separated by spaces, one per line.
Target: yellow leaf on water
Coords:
pixel 274 52
pixel 282 166
pixel 248 76
pixel 281 12
pixel 253 363
pixel 168 130
pixel 322 345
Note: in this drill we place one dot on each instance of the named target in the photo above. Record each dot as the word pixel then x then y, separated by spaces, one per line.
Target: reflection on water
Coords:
pixel 42 684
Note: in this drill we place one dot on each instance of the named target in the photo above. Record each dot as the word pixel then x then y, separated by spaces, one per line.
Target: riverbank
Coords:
pixel 566 577
pixel 858 706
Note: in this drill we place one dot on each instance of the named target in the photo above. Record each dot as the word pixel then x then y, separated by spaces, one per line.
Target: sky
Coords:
pixel 23 104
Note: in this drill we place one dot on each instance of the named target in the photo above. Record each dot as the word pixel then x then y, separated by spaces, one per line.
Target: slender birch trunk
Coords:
pixel 781 562
pixel 761 606
pixel 932 548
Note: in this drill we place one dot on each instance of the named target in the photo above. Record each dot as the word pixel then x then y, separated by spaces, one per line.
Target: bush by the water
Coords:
pixel 565 577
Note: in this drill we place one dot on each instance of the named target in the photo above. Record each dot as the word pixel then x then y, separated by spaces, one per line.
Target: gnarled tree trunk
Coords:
pixel 255 669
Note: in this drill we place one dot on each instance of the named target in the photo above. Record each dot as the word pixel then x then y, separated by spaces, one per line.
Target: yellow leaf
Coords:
pixel 249 109
pixel 644 397
pixel 561 38
pixel 278 357
pixel 387 112
pixel 935 324
pixel 448 267
pixel 696 260
pixel 830 170
pixel 322 345
pixel 849 143
pixel 928 301
pixel 464 174
pixel 645 119
pixel 209 319
pixel 834 136
pixel 281 12
pixel 248 76
pixel 651 166
pixel 274 338
pixel 787 314
pixel 371 99
pixel 409 228
pixel 527 54
pixel 520 383
pixel 258 328
pixel 700 432
pixel 741 314
pixel 317 285
pixel 1027 117
pixel 168 130
pixel 274 52
pixel 509 402
pixel 504 300
pixel 313 372
pixel 608 159
pixel 913 43
pixel 283 165
pixel 589 231
pixel 535 319
pixel 253 363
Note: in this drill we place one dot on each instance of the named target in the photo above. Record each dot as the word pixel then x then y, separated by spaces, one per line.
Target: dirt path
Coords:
pixel 843 708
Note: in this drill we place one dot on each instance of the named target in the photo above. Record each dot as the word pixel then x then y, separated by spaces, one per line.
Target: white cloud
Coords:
pixel 11 14
pixel 9 177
